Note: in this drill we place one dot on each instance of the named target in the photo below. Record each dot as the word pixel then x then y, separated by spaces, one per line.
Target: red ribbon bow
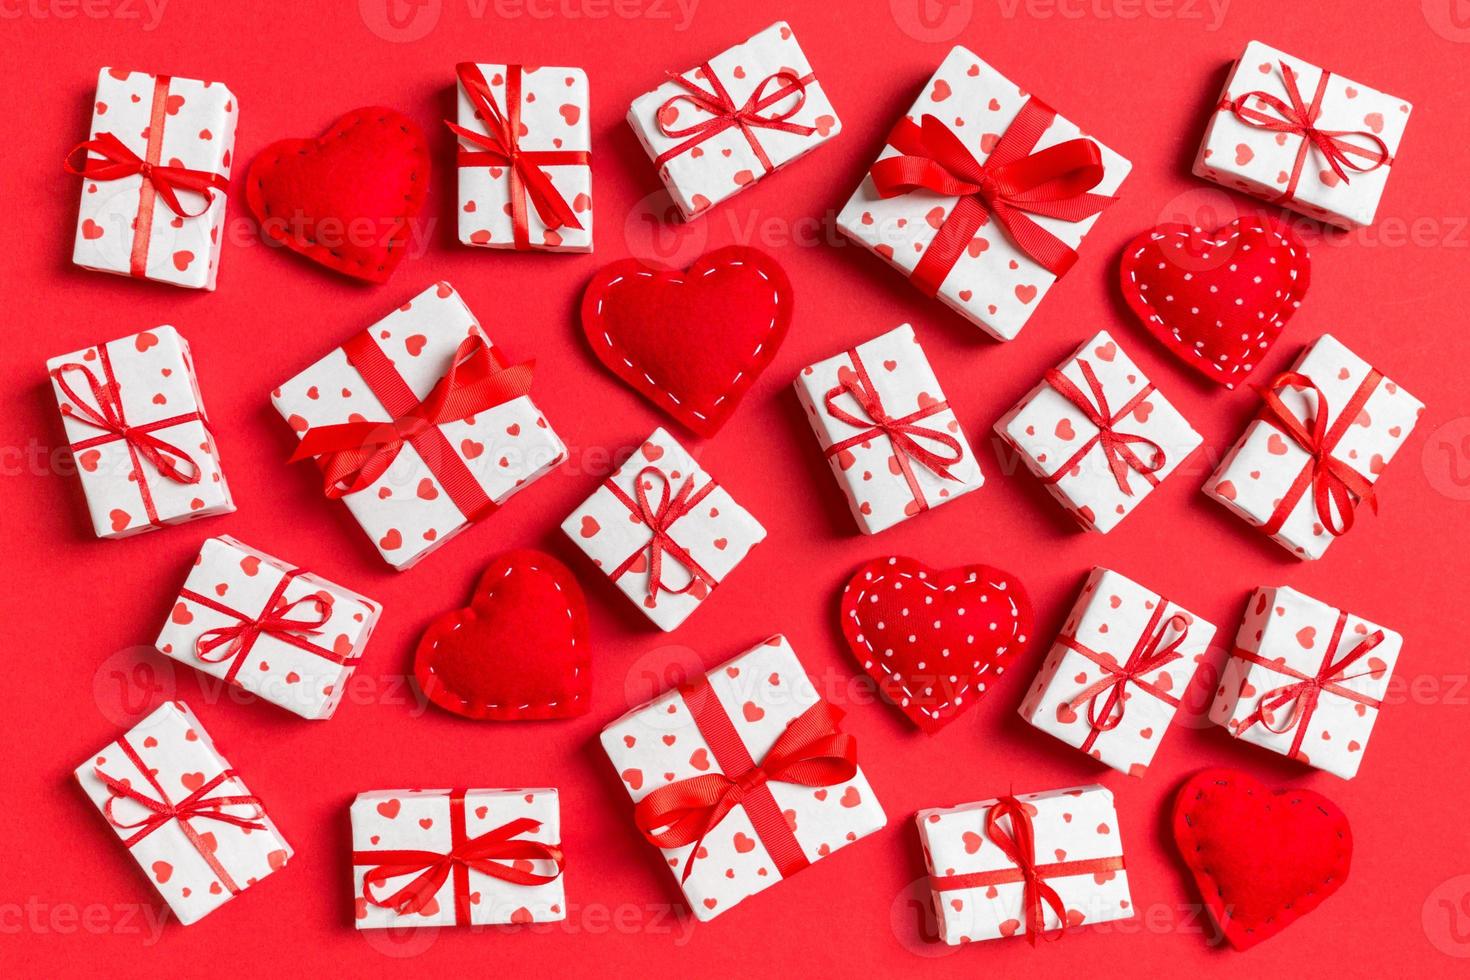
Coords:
pixel 1148 655
pixel 1336 486
pixel 233 643
pixel 354 454
pixel 1300 119
pixel 197 805
pixel 1117 446
pixel 810 752
pixel 724 113
pixel 660 520
pixel 500 146
pixel 1014 182
pixel 114 161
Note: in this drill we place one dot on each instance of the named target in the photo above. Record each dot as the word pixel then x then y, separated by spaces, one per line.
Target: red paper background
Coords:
pixel 76 612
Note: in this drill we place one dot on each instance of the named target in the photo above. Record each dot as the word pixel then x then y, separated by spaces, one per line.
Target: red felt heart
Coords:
pixel 1262 859
pixel 691 342
pixel 518 651
pixel 1218 300
pixel 934 640
pixel 345 199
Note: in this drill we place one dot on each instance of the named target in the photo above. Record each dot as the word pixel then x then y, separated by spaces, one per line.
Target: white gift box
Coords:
pixel 1062 442
pixel 410 509
pixel 885 482
pixel 705 532
pixel 1306 679
pixel 1242 151
pixel 125 225
pixel 428 822
pixel 205 854
pixel 273 629
pixel 979 890
pixel 703 161
pixel 138 432
pixel 754 699
pixel 553 136
pixel 1080 694
pixel 992 283
pixel 1264 478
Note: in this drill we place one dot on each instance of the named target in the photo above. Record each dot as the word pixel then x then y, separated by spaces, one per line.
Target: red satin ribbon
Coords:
pixel 233 643
pixel 197 805
pixel 660 520
pixel 724 113
pixel 810 752
pixel 500 146
pixel 1019 847
pixel 1300 119
pixel 105 412
pixel 902 433
pixel 482 854
pixel 1307 690
pixel 1014 182
pixel 114 161
pixel 1117 446
pixel 1336 486
pixel 1148 655
pixel 353 455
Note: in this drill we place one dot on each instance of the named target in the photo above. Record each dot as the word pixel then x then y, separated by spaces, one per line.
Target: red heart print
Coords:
pixel 694 341
pixel 1217 300
pixel 1261 858
pixel 518 651
pixel 934 639
pixel 370 169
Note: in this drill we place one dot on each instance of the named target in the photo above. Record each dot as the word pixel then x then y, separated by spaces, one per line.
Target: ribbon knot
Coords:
pixel 1300 698
pixel 113 160
pixel 1117 446
pixel 1019 847
pixel 1148 655
pixel 659 520
pixel 225 643
pixel 724 113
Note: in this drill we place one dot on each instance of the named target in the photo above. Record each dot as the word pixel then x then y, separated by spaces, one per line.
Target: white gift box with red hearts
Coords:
pixel 1051 432
pixel 761 692
pixel 195 129
pixel 1120 724
pixel 303 669
pixel 153 374
pixel 707 171
pixel 553 116
pixel 716 532
pixel 407 512
pixel 181 759
pixel 881 487
pixel 1287 636
pixel 1260 161
pixel 1070 826
pixel 993 283
pixel 421 820
pixel 1255 476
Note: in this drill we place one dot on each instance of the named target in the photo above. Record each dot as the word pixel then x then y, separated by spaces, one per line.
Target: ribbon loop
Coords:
pixel 724 113
pixel 1149 654
pixel 224 643
pixel 1117 446
pixel 1019 847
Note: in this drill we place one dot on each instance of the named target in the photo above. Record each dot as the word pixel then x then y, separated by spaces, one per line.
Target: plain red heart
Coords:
pixel 348 198
pixel 1262 859
pixel 691 342
pixel 518 651
pixel 934 640
pixel 1218 300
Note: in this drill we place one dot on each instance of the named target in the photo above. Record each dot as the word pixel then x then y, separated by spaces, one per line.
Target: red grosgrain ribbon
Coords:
pixel 105 411
pixel 500 146
pixel 354 454
pixel 1336 486
pixel 902 433
pixel 1015 181
pixel 1300 119
pixel 114 161
pixel 724 113
pixel 1301 697
pixel 197 805
pixel 1117 446
pixel 810 752
pixel 233 643
pixel 1019 847
pixel 1149 654
pixel 660 520
pixel 432 869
